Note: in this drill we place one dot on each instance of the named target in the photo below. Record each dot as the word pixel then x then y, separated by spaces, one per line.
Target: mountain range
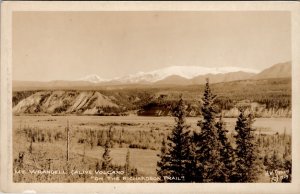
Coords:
pixel 188 72
pixel 280 70
pixel 174 75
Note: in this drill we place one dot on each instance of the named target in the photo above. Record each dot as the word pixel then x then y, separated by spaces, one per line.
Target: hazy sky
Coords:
pixel 71 45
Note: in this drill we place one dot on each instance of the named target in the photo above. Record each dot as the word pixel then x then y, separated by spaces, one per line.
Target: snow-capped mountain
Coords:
pixel 201 79
pixel 93 78
pixel 175 75
pixel 187 72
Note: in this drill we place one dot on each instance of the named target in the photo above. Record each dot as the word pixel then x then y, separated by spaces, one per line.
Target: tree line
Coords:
pixel 207 155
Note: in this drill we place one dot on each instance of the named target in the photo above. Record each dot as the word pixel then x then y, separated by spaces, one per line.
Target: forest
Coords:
pixel 209 155
pixel 268 98
pixel 174 152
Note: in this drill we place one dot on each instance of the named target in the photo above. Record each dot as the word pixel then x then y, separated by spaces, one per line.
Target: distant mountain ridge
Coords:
pixel 187 72
pixel 184 75
pixel 280 70
pixel 201 79
pixel 175 75
pixel 93 78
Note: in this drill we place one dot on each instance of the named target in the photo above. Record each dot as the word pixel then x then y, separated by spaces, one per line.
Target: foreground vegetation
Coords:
pixel 52 151
pixel 49 148
pixel 209 156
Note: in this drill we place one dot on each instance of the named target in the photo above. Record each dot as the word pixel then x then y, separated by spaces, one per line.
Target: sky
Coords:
pixel 71 45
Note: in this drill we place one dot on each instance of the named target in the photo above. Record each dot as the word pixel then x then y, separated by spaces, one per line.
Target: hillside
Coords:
pixel 272 97
pixel 280 70
pixel 175 75
pixel 68 102
pixel 219 78
pixel 187 72
pixel 201 79
pixel 174 79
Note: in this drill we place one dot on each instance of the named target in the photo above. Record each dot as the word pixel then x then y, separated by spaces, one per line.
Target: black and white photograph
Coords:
pixel 152 96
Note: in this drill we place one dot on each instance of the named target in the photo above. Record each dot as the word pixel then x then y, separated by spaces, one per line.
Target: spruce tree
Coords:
pixel 276 162
pixel 98 166
pixel 163 164
pixel 226 152
pixel 106 163
pixel 286 152
pixel 174 159
pixel 127 163
pixel 209 167
pixel 288 167
pixel 267 163
pixel 246 165
pixel 191 173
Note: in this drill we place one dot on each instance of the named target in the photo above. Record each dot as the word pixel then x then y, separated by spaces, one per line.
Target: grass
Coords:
pixel 144 133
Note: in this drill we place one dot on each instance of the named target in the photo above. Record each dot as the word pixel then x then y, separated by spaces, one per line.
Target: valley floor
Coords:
pixel 142 136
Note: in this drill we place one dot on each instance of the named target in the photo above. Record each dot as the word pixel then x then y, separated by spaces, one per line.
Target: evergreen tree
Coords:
pixel 106 163
pixel 288 167
pixel 276 164
pixel 191 173
pixel 286 152
pixel 267 163
pixel 226 152
pixel 127 163
pixel 162 164
pixel 246 165
pixel 98 166
pixel 209 167
pixel 110 135
pixel 173 160
pixel 283 138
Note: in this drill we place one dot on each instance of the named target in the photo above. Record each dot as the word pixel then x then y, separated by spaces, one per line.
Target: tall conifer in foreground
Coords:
pixel 163 163
pixel 246 165
pixel 209 167
pixel 226 152
pixel 175 157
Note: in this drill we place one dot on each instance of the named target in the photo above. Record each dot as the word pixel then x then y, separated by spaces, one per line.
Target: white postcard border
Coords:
pixel 6 184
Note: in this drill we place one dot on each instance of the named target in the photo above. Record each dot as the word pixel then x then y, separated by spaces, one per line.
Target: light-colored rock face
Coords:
pixel 54 101
pixel 102 101
pixel 80 101
pixel 28 103
pixel 94 103
pixel 86 102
